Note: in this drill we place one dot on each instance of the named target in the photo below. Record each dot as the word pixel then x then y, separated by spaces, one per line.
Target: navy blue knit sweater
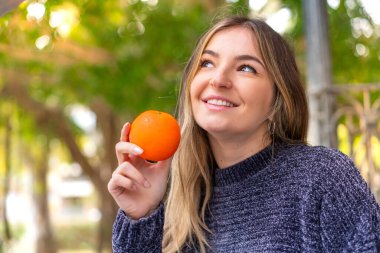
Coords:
pixel 305 199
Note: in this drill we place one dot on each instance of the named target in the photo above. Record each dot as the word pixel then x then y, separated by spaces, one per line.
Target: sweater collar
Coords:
pixel 241 170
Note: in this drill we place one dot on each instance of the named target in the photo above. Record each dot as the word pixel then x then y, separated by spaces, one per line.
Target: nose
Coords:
pixel 220 79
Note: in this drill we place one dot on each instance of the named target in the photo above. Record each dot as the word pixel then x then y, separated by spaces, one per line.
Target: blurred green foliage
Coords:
pixel 131 54
pixel 146 44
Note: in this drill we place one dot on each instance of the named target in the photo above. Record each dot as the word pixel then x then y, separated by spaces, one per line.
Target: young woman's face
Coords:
pixel 232 93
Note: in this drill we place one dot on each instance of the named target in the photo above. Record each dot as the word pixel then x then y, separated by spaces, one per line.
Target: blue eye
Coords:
pixel 247 68
pixel 206 64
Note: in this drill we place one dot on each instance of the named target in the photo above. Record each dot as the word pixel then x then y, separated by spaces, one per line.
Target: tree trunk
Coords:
pixel 53 121
pixel 321 102
pixel 8 5
pixel 108 210
pixel 6 179
pixel 108 124
pixel 45 242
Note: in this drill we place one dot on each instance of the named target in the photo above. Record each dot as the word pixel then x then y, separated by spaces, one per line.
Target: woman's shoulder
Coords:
pixel 325 168
pixel 346 206
pixel 320 163
pixel 315 155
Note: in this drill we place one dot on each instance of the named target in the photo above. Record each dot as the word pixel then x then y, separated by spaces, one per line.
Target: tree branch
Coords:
pixel 50 120
pixel 64 53
pixel 8 5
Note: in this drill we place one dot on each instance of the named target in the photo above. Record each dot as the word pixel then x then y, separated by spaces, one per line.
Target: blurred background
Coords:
pixel 73 71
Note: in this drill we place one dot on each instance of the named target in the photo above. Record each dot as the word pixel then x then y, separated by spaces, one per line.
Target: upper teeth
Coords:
pixel 220 102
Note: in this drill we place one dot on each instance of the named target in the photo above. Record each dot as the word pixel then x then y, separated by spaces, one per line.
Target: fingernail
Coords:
pixel 146 184
pixel 138 150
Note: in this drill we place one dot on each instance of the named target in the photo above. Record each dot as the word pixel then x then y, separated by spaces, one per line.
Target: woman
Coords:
pixel 243 178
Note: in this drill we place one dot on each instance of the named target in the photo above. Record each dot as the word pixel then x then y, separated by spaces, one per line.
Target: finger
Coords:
pixel 123 149
pixel 125 132
pixel 123 137
pixel 137 161
pixel 131 172
pixel 121 181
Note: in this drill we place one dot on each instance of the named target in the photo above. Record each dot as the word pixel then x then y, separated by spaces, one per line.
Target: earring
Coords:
pixel 271 129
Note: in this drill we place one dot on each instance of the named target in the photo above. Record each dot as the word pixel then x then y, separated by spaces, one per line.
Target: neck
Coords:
pixel 229 151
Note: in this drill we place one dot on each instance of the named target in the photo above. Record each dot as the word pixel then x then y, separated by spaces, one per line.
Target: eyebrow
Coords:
pixel 239 57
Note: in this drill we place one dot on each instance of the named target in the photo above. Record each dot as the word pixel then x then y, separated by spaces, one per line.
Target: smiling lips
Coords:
pixel 219 102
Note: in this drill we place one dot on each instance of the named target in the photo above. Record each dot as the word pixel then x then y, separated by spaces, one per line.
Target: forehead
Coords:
pixel 234 39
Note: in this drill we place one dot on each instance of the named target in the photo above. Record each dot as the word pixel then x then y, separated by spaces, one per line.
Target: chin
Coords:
pixel 213 128
pixel 214 124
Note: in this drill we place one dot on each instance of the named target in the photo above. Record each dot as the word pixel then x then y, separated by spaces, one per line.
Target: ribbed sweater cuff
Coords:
pixel 143 235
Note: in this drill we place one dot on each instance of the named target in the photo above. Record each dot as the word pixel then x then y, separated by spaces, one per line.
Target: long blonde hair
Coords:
pixel 191 174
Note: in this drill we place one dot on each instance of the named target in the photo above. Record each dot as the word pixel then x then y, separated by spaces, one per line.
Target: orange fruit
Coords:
pixel 157 133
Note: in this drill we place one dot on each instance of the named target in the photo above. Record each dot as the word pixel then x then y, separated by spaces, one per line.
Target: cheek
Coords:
pixel 195 90
pixel 268 102
pixel 260 98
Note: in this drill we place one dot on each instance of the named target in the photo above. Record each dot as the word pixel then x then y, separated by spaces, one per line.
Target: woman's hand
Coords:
pixel 136 185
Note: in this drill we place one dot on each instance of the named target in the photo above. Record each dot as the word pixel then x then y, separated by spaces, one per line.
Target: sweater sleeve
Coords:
pixel 350 215
pixel 138 236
